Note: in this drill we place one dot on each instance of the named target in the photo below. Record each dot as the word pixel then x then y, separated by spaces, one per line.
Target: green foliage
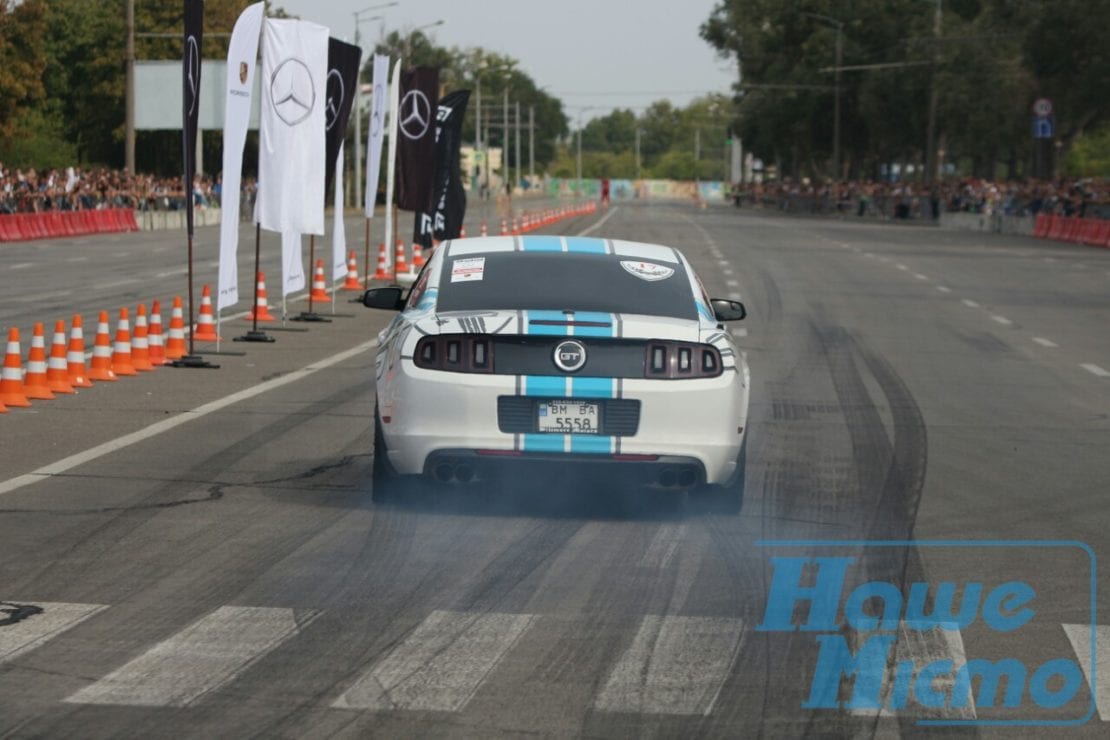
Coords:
pixel 1090 154
pixel 21 33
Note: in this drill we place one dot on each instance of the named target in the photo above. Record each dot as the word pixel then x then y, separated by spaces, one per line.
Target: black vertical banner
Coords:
pixel 343 63
pixel 419 99
pixel 444 219
pixel 190 99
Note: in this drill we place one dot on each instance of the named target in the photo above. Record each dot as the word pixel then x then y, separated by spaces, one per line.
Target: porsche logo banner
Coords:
pixel 416 131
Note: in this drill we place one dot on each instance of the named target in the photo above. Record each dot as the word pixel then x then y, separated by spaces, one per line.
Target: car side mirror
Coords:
pixel 726 310
pixel 385 298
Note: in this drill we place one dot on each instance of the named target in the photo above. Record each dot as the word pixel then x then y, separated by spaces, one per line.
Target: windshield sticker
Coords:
pixel 468 270
pixel 647 270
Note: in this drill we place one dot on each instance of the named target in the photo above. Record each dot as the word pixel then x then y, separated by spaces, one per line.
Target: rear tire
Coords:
pixel 727 497
pixel 384 477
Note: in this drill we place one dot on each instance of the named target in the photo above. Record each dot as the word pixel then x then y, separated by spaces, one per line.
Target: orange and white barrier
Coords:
pixel 157 341
pixel 175 341
pixel 34 380
pixel 140 346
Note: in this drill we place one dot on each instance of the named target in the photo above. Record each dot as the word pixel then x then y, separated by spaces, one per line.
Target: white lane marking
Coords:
pixel 919 276
pixel 22 266
pixel 116 284
pixel 660 551
pixel 160 249
pixel 921 647
pixel 944 289
pixel 1045 342
pixel 169 273
pixel 900 266
pixel 35 297
pixel 675 665
pixel 1049 259
pixel 77 259
pixel 121 254
pixel 969 303
pixel 1079 635
pixel 732 283
pixel 726 270
pixel 441 665
pixel 34 630
pixel 93 453
pixel 197 660
pixel 734 296
pixel 1095 369
pixel 1001 319
pixel 597 225
pixel 739 332
pixel 869 254
pixel 722 263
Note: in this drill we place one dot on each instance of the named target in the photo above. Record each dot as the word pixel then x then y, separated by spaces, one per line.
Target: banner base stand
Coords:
pixel 311 316
pixel 192 361
pixel 255 336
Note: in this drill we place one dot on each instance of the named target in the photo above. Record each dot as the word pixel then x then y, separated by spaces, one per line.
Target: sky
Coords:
pixel 594 56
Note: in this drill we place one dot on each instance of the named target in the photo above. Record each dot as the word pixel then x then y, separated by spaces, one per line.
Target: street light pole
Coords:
pixel 531 146
pixel 931 126
pixel 129 125
pixel 519 174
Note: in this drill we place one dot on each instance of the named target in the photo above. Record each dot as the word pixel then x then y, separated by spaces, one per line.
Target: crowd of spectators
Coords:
pixel 78 189
pixel 1088 197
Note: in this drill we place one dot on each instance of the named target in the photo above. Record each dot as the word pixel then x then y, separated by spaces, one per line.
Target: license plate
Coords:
pixel 568 417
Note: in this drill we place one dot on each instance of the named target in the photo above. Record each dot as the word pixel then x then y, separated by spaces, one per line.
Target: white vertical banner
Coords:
pixel 338 235
pixel 391 165
pixel 242 57
pixel 292 151
pixel 379 103
pixel 292 263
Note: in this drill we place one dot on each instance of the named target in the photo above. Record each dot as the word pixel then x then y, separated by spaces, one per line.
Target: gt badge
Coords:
pixel 570 356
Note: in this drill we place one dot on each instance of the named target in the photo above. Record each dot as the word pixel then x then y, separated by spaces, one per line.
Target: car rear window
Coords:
pixel 560 281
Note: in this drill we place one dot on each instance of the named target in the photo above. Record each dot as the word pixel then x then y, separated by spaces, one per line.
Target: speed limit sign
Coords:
pixel 1042 107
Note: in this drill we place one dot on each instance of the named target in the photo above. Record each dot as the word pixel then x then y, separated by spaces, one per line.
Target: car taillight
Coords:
pixel 460 353
pixel 681 360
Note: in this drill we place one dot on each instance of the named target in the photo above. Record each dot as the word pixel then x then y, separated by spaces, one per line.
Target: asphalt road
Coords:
pixel 195 552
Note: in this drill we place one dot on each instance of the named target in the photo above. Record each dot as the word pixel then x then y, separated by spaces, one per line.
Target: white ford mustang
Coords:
pixel 547 350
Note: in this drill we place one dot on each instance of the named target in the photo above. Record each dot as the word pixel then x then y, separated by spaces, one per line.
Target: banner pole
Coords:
pixel 254 335
pixel 366 259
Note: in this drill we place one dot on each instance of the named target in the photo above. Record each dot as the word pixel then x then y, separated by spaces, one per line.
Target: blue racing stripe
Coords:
pixel 585 245
pixel 543 442
pixel 551 386
pixel 591 443
pixel 542 243
pixel 595 331
pixel 557 331
pixel 592 387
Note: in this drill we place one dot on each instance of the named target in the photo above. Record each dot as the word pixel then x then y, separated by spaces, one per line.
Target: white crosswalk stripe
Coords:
pixel 922 647
pixel 197 660
pixel 1079 635
pixel 440 665
pixel 38 627
pixel 675 665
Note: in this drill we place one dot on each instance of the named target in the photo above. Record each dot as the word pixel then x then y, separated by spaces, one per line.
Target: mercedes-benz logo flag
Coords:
pixel 444 219
pixel 416 131
pixel 343 63
pixel 190 99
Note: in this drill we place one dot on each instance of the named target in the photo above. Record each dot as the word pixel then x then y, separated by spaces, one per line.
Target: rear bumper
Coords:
pixel 478 466
pixel 427 414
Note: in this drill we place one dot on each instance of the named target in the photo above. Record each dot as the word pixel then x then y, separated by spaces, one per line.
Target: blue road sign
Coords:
pixel 1043 127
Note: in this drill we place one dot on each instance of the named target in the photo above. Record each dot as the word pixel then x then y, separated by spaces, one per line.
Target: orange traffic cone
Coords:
pixel 155 336
pixel 319 285
pixel 101 368
pixel 57 374
pixel 383 264
pixel 11 377
pixel 261 308
pixel 140 345
pixel 483 232
pixel 205 330
pixel 175 340
pixel 504 227
pixel 417 256
pixel 399 265
pixel 75 356
pixel 34 380
pixel 121 350
pixel 352 283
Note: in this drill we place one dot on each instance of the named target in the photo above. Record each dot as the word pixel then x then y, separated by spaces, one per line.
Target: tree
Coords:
pixel 21 34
